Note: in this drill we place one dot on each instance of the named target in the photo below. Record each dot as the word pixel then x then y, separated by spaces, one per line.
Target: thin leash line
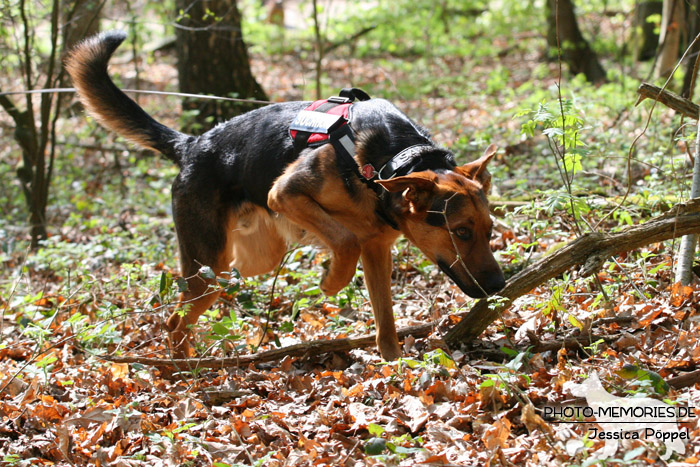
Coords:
pixel 141 91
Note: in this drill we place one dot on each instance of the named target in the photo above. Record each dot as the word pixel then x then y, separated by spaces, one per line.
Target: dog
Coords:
pixel 245 192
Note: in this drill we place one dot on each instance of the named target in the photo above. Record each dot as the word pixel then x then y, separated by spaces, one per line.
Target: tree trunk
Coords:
pixel 686 253
pixel 645 39
pixel 81 18
pixel 213 59
pixel 693 28
pixel 672 20
pixel 36 137
pixel 575 50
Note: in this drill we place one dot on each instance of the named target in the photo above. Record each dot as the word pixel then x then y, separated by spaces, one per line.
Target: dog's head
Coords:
pixel 446 215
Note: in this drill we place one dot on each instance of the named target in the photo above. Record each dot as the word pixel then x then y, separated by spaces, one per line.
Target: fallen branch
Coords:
pixel 613 320
pixel 669 99
pixel 591 250
pixel 538 346
pixel 569 343
pixel 685 380
pixel 315 347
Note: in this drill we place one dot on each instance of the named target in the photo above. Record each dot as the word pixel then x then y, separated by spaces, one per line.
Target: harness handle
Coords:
pixel 354 93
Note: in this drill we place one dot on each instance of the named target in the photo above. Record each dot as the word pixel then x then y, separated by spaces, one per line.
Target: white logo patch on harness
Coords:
pixel 316 122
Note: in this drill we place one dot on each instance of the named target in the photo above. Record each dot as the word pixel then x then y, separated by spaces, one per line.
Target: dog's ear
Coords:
pixel 477 170
pixel 417 189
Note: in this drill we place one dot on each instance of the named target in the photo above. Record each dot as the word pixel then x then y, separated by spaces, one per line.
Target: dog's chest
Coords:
pixel 257 223
pixel 292 233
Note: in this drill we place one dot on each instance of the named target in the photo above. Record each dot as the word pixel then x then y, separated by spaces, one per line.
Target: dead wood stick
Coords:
pixel 538 346
pixel 314 347
pixel 590 250
pixel 613 320
pixel 669 99
pixel 570 343
pixel 684 380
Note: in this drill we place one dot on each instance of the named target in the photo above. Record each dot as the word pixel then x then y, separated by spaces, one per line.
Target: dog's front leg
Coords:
pixel 304 211
pixel 376 262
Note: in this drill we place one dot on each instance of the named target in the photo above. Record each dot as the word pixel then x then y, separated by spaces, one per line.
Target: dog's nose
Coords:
pixel 495 281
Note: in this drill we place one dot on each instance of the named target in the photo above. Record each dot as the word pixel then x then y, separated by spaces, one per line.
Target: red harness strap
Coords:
pixel 328 122
pixel 321 127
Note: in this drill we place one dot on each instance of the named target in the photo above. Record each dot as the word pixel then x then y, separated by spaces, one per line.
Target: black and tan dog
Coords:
pixel 244 193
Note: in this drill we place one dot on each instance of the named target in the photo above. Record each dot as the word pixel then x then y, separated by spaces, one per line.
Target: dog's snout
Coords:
pixel 489 283
pixel 495 281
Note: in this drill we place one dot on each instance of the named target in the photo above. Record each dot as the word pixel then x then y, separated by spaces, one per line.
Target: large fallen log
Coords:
pixel 590 250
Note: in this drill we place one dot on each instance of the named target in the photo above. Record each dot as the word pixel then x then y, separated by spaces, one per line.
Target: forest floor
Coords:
pixel 104 282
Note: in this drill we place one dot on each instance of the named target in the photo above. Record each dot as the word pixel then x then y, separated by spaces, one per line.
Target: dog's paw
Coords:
pixel 336 278
pixel 329 288
pixel 390 353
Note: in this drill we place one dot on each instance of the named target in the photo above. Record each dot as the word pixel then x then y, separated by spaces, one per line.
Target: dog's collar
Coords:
pixel 395 166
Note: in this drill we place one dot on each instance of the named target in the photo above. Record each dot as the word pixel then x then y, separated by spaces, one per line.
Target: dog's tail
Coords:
pixel 87 66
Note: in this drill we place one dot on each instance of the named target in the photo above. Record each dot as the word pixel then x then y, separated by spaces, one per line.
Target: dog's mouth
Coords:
pixel 472 290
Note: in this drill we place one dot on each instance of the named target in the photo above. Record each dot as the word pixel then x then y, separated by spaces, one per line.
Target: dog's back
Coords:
pixel 243 155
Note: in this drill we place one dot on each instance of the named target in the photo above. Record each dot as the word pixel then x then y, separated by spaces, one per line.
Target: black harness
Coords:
pixel 328 122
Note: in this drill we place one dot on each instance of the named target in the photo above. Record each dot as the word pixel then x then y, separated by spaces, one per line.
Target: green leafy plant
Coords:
pixel 398 447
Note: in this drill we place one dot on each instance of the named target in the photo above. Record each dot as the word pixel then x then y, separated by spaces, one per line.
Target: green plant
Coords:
pixel 510 373
pixel 399 447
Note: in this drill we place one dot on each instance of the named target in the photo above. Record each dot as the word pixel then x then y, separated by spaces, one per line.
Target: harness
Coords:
pixel 327 121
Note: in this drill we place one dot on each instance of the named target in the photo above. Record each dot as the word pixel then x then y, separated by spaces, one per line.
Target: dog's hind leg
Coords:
pixel 202 224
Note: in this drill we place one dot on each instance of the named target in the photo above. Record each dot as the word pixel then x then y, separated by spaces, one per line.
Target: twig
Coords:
pixel 613 319
pixel 272 298
pixel 334 45
pixel 314 347
pixel 569 343
pixel 639 136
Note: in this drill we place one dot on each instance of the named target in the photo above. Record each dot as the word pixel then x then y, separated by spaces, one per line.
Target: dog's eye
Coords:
pixel 463 233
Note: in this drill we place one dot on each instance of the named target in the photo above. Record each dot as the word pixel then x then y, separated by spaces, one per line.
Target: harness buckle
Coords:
pixel 339 100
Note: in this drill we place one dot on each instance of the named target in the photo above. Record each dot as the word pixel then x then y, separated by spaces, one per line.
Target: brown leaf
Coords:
pixel 361 414
pixel 413 413
pixel 64 442
pixel 119 370
pixel 497 434
pixel 533 421
pixel 490 397
pixel 651 313
pixel 92 415
pixel 440 459
pixel 680 294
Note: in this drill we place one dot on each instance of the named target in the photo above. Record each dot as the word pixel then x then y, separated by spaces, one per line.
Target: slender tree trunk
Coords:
pixel 645 38
pixel 672 21
pixel 693 28
pixel 319 49
pixel 575 50
pixel 81 18
pixel 213 59
pixel 686 253
pixel 37 142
